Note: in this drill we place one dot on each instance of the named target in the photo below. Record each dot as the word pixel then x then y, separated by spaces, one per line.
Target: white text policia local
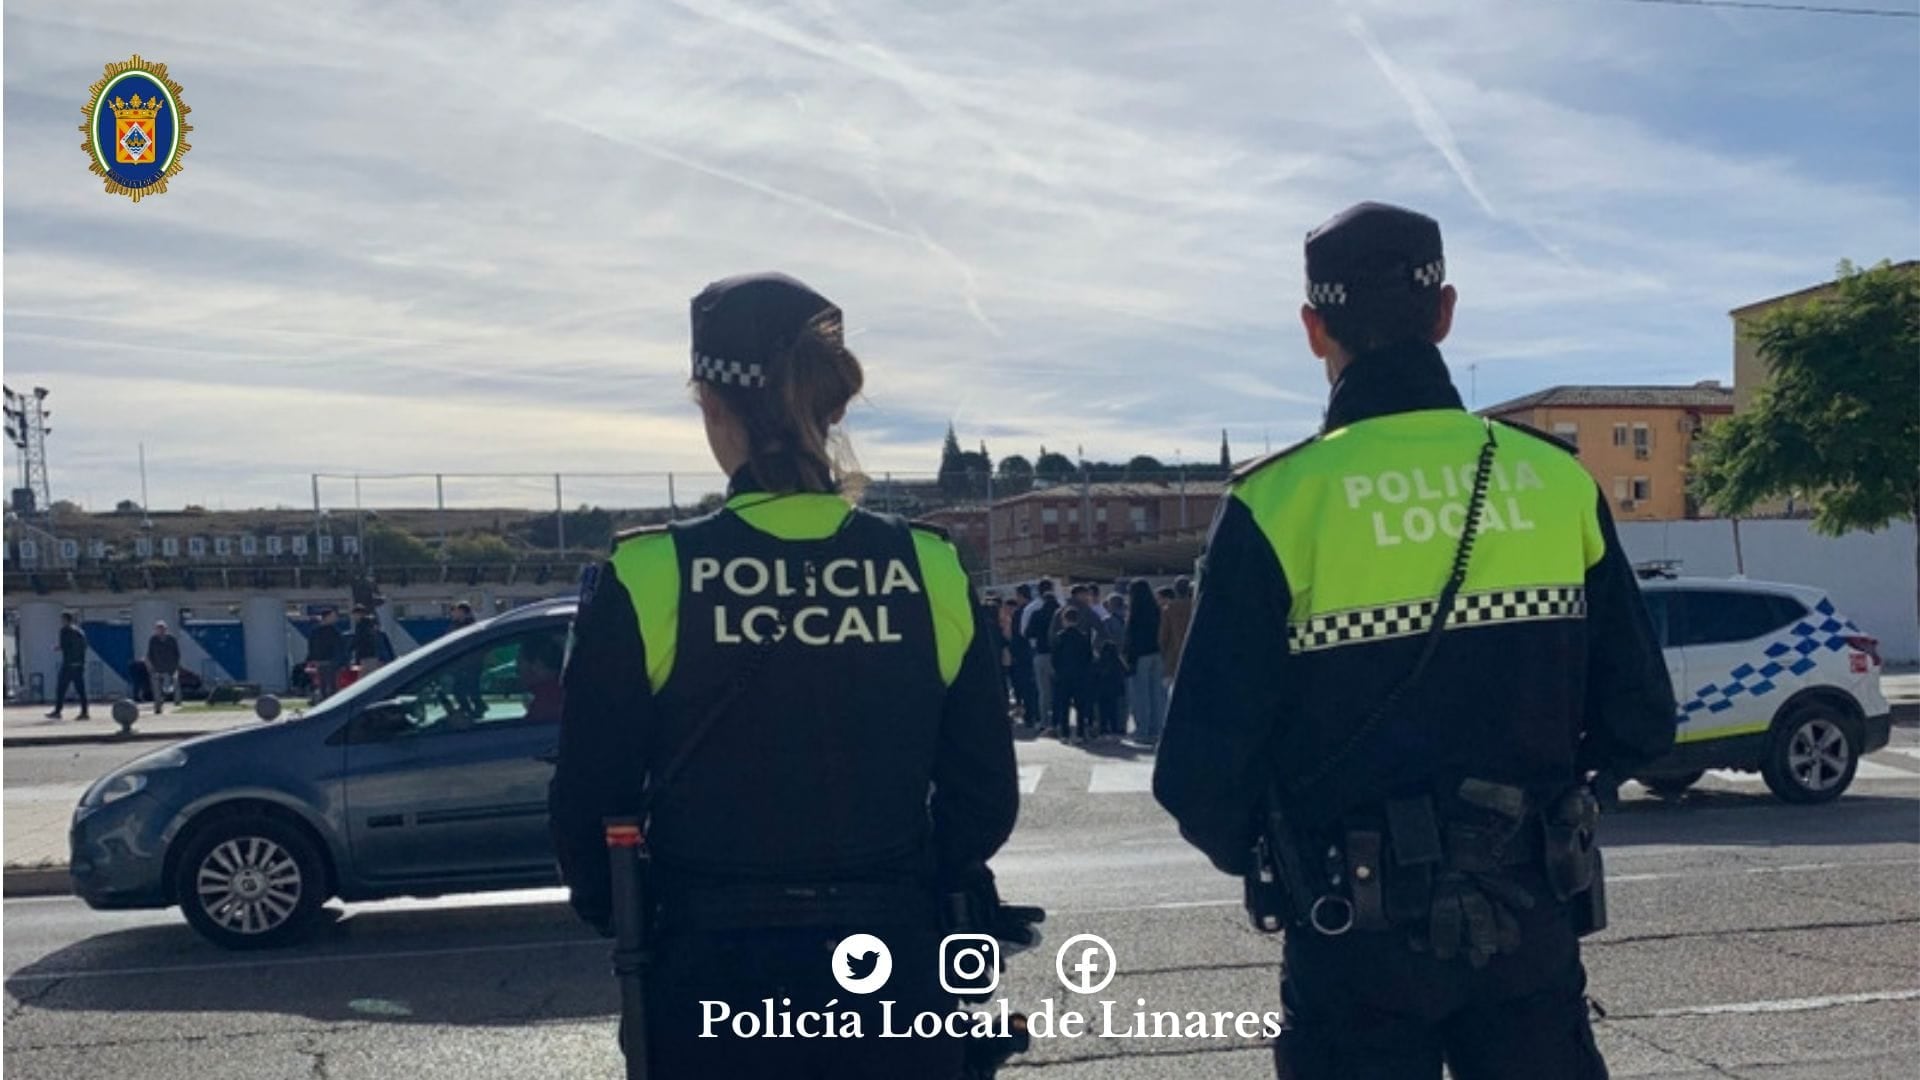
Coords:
pixel 1448 486
pixel 782 1021
pixel 840 579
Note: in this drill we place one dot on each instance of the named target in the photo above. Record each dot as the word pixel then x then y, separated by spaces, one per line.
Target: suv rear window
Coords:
pixel 1715 617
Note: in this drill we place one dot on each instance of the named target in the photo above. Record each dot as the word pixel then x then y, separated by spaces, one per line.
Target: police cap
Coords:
pixel 1372 255
pixel 740 324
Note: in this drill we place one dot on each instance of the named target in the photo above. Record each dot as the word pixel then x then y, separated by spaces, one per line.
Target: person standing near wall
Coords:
pixel 73 667
pixel 1146 675
pixel 163 666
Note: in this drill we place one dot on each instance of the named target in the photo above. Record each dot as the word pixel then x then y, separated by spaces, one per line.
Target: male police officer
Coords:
pixel 1418 788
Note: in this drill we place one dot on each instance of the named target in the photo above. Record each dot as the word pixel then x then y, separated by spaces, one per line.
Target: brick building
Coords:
pixel 1635 440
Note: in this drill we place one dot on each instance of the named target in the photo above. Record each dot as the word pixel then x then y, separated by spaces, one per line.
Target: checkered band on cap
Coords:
pixel 1326 293
pixel 1361 625
pixel 1431 274
pixel 728 372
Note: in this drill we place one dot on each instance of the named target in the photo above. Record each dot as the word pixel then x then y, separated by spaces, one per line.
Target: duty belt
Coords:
pixel 771 905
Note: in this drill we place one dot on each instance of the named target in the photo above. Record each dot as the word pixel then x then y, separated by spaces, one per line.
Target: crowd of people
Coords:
pixel 362 647
pixel 1092 666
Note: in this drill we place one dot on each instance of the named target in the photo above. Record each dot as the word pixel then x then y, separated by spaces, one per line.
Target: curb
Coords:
pixel 36 881
pixel 12 742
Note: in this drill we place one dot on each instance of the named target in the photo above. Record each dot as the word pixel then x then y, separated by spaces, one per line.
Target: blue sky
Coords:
pixel 461 236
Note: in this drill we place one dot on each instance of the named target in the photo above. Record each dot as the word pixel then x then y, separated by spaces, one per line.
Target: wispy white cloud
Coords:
pixel 424 237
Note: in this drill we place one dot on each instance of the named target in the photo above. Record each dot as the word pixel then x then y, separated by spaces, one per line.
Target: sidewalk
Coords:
pixel 27 725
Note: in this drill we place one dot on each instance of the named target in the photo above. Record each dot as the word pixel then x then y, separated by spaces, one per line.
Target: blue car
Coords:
pixel 427 777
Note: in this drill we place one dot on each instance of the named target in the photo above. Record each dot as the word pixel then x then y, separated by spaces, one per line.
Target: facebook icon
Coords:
pixel 1085 963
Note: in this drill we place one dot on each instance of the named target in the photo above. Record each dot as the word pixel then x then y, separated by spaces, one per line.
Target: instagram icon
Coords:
pixel 969 964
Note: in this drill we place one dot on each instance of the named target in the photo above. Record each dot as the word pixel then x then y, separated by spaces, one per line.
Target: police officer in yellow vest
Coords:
pixel 796 695
pixel 1416 638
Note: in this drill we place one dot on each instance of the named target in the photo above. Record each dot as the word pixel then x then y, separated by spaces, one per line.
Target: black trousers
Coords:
pixel 1365 1006
pixel 744 968
pixel 73 675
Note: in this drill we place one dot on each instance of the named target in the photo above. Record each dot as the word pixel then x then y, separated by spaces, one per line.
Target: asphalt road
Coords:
pixel 1750 939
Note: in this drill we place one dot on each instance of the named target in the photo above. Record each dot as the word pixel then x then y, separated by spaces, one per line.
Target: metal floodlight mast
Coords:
pixel 27 429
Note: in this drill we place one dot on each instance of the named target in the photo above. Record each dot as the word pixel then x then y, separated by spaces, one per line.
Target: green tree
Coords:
pixel 126 506
pixel 479 548
pixel 1054 467
pixel 1839 423
pixel 390 546
pixel 953 469
pixel 1015 476
pixel 1145 467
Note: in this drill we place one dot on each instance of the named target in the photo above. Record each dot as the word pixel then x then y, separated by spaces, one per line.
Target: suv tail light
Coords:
pixel 1866 644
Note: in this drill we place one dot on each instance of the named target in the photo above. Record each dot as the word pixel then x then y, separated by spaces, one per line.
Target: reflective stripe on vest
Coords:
pixel 648 567
pixel 1365 521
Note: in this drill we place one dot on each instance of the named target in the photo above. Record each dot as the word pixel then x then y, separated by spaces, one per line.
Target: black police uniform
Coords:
pixel 1318 588
pixel 841 722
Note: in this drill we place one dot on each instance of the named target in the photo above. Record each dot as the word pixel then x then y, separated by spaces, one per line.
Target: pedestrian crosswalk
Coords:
pixel 1092 777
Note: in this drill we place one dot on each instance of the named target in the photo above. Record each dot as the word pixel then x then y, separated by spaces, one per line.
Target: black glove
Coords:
pixel 1016 926
pixel 1474 910
pixel 1605 785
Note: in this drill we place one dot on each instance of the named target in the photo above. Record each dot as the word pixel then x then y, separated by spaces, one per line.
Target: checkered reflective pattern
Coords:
pixel 1431 274
pixel 715 370
pixel 1469 609
pixel 1791 652
pixel 1324 293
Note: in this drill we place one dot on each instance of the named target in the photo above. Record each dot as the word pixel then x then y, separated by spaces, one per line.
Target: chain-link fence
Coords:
pixel 1091 521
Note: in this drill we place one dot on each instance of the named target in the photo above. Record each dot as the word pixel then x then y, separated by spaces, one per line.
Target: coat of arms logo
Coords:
pixel 136 128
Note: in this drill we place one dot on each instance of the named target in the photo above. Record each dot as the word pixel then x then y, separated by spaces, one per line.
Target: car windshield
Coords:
pixel 388 680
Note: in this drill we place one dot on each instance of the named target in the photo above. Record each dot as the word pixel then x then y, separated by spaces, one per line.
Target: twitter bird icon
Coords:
pixel 862 964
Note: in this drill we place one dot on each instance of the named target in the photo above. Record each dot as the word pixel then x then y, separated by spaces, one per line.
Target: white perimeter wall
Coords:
pixel 1869 575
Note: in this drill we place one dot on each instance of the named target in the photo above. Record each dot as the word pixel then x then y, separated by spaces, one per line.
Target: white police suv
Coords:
pixel 1768 677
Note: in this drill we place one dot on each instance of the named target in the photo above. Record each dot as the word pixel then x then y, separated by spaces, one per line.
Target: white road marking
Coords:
pixel 303 961
pixel 31 794
pixel 1030 778
pixel 1780 1005
pixel 473 950
pixel 1127 778
pixel 1911 753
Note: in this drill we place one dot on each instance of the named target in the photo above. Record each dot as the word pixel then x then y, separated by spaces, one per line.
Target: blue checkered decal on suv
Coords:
pixel 1822 629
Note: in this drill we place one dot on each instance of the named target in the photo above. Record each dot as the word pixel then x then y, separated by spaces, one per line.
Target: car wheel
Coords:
pixel 1813 755
pixel 1672 787
pixel 250 882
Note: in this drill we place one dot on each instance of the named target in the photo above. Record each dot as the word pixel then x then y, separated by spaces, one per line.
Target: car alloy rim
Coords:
pixel 249 884
pixel 1817 755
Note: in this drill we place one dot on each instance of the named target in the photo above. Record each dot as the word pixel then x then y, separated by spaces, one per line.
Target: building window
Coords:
pixel 1642 489
pixel 1642 441
pixel 275 545
pixel 143 547
pixel 1137 517
pixel 249 546
pixel 298 544
pixel 223 546
pixel 70 550
pixel 1050 515
pixel 326 543
pixel 170 546
pixel 1100 515
pixel 1619 434
pixel 1620 488
pixel 1570 433
pixel 197 547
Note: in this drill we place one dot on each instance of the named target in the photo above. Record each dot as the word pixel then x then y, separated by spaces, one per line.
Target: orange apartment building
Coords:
pixel 1635 440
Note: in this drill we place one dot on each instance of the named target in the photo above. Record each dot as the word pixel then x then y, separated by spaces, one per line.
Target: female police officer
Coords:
pixel 797 695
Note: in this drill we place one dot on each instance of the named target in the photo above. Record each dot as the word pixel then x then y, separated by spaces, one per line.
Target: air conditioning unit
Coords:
pixel 1628 504
pixel 1642 453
